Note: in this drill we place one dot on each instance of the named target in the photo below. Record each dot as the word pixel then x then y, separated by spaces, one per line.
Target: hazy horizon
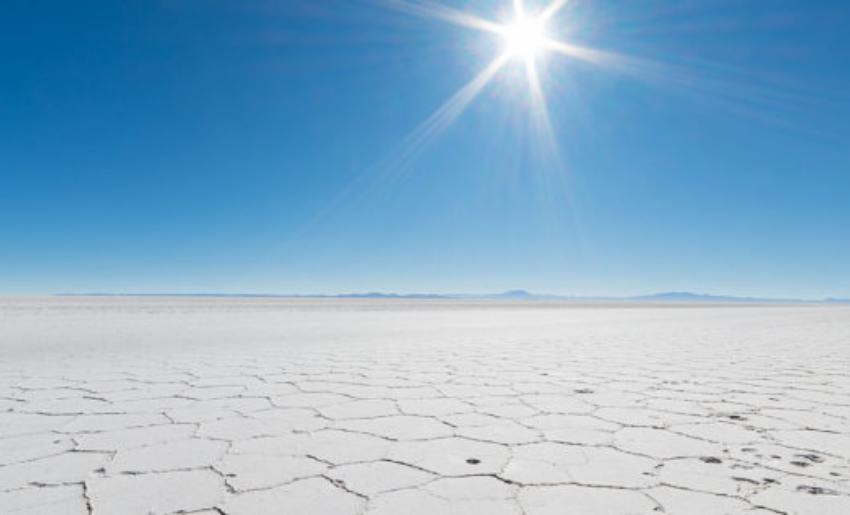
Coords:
pixel 510 295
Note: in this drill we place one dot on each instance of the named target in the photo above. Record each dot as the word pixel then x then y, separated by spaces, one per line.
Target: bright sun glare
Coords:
pixel 525 37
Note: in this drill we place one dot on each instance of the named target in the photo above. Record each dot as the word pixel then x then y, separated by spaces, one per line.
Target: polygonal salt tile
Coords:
pixel 71 406
pixel 399 427
pixel 578 436
pixel 660 443
pixel 549 463
pixel 759 422
pixel 44 383
pixel 452 456
pixel 810 419
pixel 374 477
pixel 19 424
pixel 610 467
pixel 548 403
pixel 803 501
pixel 330 445
pixel 678 406
pixel 178 454
pixel 129 438
pixel 506 432
pixel 134 393
pixel 719 432
pixel 512 410
pixel 309 400
pixel 164 492
pixel 69 467
pixel 93 423
pixel 291 444
pixel 559 422
pixel 55 500
pixel 643 417
pixel 234 428
pixel 575 429
pixel 469 419
pixel 421 392
pixel 255 471
pixel 471 488
pixel 309 496
pixel 579 500
pixel 714 476
pixel 49 394
pixel 474 390
pixel 216 392
pixel 815 486
pixel 195 414
pixel 340 447
pixel 417 502
pixel 438 406
pixel 34 446
pixel 612 399
pixel 363 391
pixel 284 420
pixel 831 443
pixel 675 501
pixel 790 460
pixel 157 405
pixel 535 472
pixel 271 389
pixel 359 409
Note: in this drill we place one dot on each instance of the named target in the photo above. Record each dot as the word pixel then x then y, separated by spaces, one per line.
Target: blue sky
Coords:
pixel 260 146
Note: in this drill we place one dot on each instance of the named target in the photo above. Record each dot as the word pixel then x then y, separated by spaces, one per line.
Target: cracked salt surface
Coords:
pixel 251 406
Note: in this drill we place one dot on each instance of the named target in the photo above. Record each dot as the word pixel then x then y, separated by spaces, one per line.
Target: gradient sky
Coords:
pixel 260 146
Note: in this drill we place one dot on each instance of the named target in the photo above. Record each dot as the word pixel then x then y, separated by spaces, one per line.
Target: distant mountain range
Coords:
pixel 518 295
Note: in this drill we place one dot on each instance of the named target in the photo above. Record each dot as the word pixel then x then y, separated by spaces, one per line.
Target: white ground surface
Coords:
pixel 144 405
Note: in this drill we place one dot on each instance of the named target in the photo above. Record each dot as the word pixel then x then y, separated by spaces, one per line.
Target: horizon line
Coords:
pixel 514 294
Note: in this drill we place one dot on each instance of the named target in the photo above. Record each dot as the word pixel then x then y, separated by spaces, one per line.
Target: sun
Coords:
pixel 525 38
pixel 523 35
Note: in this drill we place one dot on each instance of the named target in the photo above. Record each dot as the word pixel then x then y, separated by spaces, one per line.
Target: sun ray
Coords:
pixel 552 9
pixel 447 113
pixel 519 8
pixel 390 168
pixel 427 9
pixel 591 55
pixel 540 111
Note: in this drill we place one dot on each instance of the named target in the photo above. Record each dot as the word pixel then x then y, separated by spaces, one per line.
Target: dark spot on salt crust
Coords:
pixel 746 480
pixel 711 459
pixel 737 417
pixel 811 457
pixel 816 490
pixel 802 464
pixel 584 390
pixel 473 461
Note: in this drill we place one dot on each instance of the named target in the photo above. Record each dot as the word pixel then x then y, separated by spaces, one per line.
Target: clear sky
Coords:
pixel 272 146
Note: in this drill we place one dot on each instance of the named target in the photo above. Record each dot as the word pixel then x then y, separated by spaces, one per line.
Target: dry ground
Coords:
pixel 247 406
